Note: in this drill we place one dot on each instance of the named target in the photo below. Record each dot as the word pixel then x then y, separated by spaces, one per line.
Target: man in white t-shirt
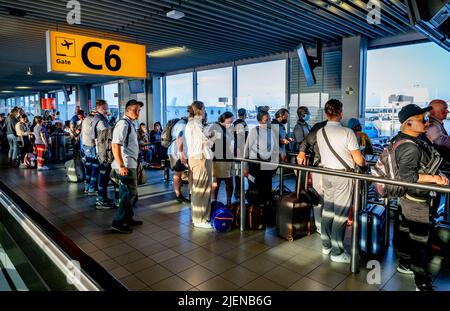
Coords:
pixel 339 150
pixel 177 153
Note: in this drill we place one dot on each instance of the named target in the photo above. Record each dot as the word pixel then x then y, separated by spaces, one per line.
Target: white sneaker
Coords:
pixel 342 258
pixel 326 251
pixel 204 225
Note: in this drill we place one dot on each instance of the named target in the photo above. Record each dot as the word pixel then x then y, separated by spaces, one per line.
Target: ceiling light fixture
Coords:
pixel 168 52
pixel 174 14
pixel 23 87
pixel 74 75
pixel 49 81
pixel 29 72
pixel 7 92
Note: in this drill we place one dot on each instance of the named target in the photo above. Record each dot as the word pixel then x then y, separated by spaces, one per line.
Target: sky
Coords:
pixel 405 68
pixel 258 84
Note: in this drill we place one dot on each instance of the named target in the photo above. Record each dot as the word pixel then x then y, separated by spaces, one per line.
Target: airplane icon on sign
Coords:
pixel 67 44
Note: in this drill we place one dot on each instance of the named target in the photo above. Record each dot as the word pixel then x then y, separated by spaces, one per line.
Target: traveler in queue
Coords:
pixel 413 158
pixel 339 150
pixel 11 121
pixel 200 161
pixel 90 155
pixel 100 123
pixel 280 120
pixel 125 148
pixel 240 137
pixel 223 154
pixel 302 128
pixel 40 142
pixel 436 131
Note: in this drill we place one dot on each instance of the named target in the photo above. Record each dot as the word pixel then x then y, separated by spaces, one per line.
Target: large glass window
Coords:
pixel 215 89
pixel 179 94
pixel 111 95
pixel 402 75
pixel 61 106
pixel 261 84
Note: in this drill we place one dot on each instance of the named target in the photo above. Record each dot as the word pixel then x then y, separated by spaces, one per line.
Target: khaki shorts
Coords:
pixel 222 169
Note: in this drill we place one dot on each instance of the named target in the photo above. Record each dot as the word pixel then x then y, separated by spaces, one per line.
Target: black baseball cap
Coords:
pixel 411 110
pixel 132 102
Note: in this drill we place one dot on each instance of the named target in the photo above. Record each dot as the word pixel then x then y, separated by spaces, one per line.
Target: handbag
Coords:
pixel 141 177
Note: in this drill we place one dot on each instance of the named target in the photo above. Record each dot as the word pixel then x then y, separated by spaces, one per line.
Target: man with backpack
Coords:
pixel 100 126
pixel 173 138
pixel 125 149
pixel 417 163
pixel 90 155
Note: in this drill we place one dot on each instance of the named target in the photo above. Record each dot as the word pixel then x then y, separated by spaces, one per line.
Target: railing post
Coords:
pixel 387 222
pixel 281 181
pixel 357 200
pixel 242 198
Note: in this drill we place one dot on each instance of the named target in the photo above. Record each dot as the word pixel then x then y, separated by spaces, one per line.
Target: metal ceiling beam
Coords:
pixel 360 21
pixel 243 36
pixel 186 35
pixel 359 8
pixel 332 20
pixel 201 11
pixel 254 12
pixel 297 17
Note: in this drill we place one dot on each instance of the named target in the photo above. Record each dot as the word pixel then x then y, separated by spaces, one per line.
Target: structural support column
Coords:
pixel 354 60
pixel 82 97
pixel 154 98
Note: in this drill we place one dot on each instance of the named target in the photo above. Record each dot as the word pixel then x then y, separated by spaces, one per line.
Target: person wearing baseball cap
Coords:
pixel 125 148
pixel 414 154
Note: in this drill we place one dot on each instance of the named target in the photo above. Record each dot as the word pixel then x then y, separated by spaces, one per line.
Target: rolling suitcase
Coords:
pixel 372 222
pixel 254 217
pixel 75 170
pixel 294 211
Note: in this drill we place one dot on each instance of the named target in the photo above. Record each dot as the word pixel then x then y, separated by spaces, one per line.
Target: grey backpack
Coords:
pixel 104 143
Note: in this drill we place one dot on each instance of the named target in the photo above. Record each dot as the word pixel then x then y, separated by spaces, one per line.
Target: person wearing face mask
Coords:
pixel 302 128
pixel 339 150
pixel 278 125
pixel 200 157
pixel 262 144
pixel 223 151
pixel 100 123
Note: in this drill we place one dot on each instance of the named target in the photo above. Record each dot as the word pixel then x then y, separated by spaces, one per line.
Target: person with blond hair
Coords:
pixel 200 157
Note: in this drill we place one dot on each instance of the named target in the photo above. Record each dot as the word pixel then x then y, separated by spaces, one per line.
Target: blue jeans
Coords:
pixel 13 152
pixel 103 180
pixel 128 195
pixel 91 168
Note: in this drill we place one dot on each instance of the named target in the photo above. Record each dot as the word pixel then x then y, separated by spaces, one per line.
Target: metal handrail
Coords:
pixel 331 172
pixel 357 199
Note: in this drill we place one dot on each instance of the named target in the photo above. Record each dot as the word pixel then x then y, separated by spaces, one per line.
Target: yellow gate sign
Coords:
pixel 87 55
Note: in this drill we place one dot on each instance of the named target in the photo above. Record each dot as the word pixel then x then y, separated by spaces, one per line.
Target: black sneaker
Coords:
pixel 182 199
pixel 133 222
pixel 122 228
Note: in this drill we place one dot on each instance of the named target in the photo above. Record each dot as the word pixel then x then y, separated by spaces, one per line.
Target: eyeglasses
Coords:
pixel 424 120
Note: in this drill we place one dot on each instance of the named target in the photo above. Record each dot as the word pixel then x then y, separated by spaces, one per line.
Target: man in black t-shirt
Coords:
pixel 413 158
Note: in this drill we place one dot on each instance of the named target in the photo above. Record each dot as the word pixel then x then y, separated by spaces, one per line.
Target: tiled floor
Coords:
pixel 166 253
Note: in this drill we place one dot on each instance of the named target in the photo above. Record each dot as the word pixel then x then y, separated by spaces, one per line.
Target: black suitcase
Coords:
pixel 294 211
pixel 372 229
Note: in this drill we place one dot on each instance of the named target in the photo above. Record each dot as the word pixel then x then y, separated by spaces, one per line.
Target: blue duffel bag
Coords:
pixel 221 218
